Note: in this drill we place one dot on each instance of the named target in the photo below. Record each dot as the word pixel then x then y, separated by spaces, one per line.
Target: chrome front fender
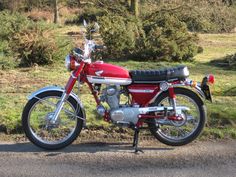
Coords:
pixel 59 89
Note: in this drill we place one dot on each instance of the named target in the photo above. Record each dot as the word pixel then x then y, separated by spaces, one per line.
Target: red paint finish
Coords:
pixel 74 75
pixel 174 118
pixel 146 116
pixel 95 94
pixel 139 124
pixel 107 117
pixel 109 70
pixel 143 93
pixel 171 92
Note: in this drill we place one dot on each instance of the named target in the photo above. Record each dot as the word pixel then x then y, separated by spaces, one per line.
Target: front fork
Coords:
pixel 69 86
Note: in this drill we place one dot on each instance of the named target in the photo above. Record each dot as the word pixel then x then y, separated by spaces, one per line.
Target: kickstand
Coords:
pixel 135 141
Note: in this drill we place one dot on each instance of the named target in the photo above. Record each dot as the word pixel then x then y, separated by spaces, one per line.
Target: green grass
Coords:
pixel 16 84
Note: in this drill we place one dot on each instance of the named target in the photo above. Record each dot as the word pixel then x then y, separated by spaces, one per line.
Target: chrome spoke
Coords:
pixel 180 131
pixel 64 109
pixel 44 129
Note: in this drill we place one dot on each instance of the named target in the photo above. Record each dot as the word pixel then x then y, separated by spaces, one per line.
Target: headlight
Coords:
pixel 70 63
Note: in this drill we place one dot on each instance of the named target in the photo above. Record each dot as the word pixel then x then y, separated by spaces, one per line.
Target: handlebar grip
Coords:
pixel 99 47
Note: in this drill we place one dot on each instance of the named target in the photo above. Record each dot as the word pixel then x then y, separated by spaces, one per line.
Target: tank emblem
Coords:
pixel 98 73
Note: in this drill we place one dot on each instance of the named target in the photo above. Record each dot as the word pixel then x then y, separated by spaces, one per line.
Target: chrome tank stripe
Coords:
pixel 109 80
pixel 141 91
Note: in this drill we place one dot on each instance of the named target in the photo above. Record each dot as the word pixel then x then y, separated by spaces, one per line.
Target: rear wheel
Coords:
pixel 177 133
pixel 41 131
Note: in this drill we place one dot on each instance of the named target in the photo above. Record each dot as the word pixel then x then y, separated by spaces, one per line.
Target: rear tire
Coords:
pixel 27 127
pixel 156 129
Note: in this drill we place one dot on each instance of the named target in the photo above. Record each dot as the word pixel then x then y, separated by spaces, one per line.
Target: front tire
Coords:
pixel 36 121
pixel 169 134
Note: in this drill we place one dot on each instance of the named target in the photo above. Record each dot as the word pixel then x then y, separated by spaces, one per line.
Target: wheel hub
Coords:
pixel 182 122
pixel 50 124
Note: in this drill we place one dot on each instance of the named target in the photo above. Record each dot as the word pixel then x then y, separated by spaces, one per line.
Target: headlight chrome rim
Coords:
pixel 70 63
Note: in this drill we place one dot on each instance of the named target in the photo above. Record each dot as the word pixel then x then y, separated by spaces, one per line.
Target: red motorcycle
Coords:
pixel 165 101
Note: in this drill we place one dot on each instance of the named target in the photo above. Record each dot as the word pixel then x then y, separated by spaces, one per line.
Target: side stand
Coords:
pixel 135 141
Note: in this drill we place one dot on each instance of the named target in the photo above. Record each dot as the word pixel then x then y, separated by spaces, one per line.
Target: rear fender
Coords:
pixel 59 89
pixel 196 90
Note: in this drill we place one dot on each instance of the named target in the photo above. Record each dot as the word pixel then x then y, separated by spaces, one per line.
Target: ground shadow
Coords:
pixel 88 147
pixel 230 92
pixel 228 62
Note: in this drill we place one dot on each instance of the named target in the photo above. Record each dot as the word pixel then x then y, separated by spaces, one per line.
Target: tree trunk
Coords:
pixel 13 5
pixel 79 3
pixel 135 7
pixel 56 12
pixel 128 2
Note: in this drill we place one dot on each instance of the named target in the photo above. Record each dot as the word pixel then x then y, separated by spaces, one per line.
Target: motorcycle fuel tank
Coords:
pixel 103 73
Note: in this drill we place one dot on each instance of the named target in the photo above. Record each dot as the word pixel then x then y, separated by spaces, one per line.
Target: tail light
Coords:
pixel 211 79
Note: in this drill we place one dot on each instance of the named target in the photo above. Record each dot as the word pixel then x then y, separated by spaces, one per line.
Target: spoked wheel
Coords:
pixel 177 133
pixel 37 124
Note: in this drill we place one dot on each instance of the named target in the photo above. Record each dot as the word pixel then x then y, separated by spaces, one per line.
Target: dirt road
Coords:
pixel 117 159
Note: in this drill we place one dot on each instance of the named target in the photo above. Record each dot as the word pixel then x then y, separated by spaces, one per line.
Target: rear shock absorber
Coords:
pixel 172 97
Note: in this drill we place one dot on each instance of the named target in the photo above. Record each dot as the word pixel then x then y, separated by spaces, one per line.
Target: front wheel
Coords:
pixel 177 133
pixel 40 130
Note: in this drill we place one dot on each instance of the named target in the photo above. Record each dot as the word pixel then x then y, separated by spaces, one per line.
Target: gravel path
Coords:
pixel 117 159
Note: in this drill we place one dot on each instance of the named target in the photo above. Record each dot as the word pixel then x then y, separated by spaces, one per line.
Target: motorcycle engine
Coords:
pixel 111 95
pixel 119 113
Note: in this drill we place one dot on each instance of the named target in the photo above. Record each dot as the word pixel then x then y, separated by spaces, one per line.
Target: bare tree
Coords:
pixel 128 2
pixel 56 11
pixel 135 7
pixel 11 5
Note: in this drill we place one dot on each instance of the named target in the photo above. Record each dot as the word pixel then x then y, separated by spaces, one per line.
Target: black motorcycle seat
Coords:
pixel 156 76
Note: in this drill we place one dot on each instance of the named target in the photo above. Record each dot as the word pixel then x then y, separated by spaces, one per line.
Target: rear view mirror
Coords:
pixel 96 27
pixel 85 23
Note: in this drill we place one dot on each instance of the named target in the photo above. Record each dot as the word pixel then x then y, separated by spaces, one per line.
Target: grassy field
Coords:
pixel 16 84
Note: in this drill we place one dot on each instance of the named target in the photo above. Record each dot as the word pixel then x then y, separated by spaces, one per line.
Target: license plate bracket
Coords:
pixel 206 90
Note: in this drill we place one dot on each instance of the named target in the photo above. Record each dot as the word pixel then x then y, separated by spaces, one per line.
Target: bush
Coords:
pixel 120 35
pixel 209 17
pixel 7 62
pixel 228 62
pixel 231 60
pixel 33 46
pixel 169 39
pixel 162 37
pixel 10 24
pixel 201 16
pixel 36 45
pixel 97 9
pixel 89 14
pixel 29 42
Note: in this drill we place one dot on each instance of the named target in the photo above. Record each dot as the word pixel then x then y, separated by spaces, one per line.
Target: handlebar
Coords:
pixel 99 47
pixel 79 54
